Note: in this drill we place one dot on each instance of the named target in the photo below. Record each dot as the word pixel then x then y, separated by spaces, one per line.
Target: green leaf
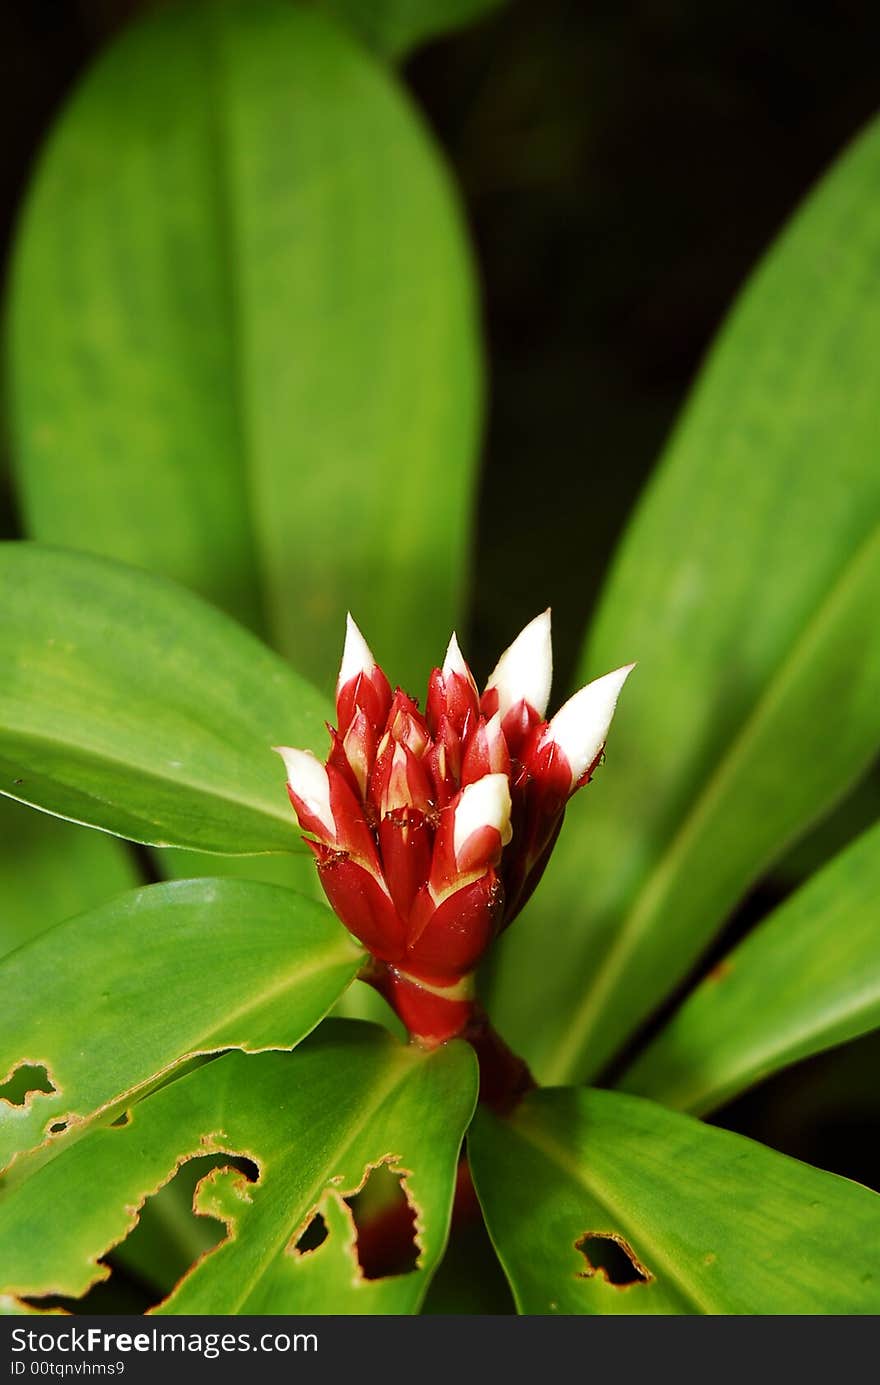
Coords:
pixel 242 333
pixel 359 1001
pixel 394 27
pixel 294 872
pixel 50 869
pixel 747 588
pixel 806 979
pixel 130 705
pixel 314 1122
pixel 108 1001
pixel 714 1222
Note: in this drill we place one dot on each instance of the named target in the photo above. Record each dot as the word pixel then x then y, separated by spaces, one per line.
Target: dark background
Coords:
pixel 622 167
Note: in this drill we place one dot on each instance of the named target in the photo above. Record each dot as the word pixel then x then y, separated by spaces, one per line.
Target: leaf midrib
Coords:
pixel 321 1184
pixel 638 919
pixel 230 259
pixel 752 1061
pixel 100 756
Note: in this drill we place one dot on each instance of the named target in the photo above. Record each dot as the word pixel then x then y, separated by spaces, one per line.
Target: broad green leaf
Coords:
pixel 747 588
pixel 359 1001
pixel 394 27
pixel 298 873
pixel 714 1222
pixel 314 1122
pixel 806 979
pixel 109 1001
pixel 242 333
pixel 130 705
pixel 50 869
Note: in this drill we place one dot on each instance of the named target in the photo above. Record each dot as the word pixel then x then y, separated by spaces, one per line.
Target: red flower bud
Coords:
pixel 399 780
pixel 487 751
pixel 406 844
pixel 431 832
pixel 447 940
pixel 361 685
pixel 362 903
pixel 452 694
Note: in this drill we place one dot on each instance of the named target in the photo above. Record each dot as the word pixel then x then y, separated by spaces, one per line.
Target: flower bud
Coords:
pixel 487 752
pixel 482 808
pixel 474 829
pixel 444 764
pixel 579 729
pixel 452 693
pixel 326 806
pixel 430 832
pixel 447 940
pixel 362 902
pixel 523 673
pixel 308 784
pixel 407 725
pixel 400 781
pixel 361 685
pixel 359 745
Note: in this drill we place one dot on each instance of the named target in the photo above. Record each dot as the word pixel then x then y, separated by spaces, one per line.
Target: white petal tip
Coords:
pixel 298 762
pixel 309 781
pixel 454 659
pixel 580 727
pixel 485 803
pixel 357 657
pixel 525 669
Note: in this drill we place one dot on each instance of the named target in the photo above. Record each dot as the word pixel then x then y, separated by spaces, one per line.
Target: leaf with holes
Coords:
pixel 242 323
pixel 314 1123
pixel 806 978
pixel 130 705
pixel 108 1002
pixel 747 587
pixel 633 1209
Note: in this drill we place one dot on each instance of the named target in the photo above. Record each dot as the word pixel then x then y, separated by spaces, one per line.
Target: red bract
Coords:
pixel 430 832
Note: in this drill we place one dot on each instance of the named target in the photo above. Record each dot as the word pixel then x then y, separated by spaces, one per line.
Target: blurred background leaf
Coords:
pixel 747 587
pixel 394 27
pixel 806 979
pixel 51 869
pixel 242 333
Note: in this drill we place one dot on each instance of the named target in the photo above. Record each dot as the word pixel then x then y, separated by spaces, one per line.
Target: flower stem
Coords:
pixel 433 1016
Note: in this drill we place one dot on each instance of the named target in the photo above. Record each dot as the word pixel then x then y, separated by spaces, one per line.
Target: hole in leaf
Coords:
pixel 56 1127
pixel 27 1080
pixel 385 1223
pixel 314 1235
pixel 120 1121
pixel 612 1258
pixel 165 1243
